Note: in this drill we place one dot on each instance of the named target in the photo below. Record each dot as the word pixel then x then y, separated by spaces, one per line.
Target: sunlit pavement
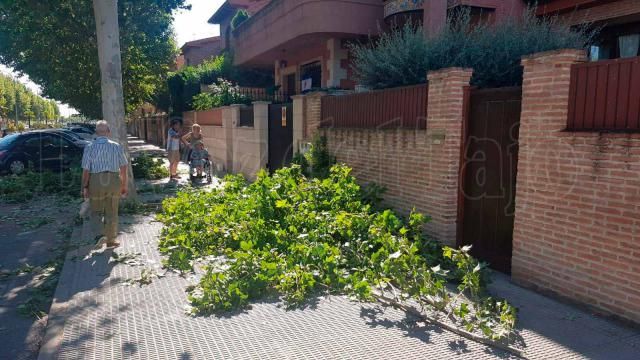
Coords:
pixel 101 312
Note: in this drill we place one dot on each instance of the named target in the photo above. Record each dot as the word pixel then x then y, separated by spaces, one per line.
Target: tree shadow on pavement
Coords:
pixel 375 316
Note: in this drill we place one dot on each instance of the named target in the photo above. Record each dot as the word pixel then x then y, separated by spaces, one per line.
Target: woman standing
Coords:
pixel 173 148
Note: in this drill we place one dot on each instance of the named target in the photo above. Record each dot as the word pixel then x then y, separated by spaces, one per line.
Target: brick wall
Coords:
pixel 419 168
pixel 195 55
pixel 312 113
pixel 577 223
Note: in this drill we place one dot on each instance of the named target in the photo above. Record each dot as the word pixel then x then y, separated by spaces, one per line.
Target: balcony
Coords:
pixel 291 25
pixel 398 7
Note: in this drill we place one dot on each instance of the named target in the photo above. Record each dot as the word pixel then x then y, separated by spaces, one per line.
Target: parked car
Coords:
pixel 84 132
pixel 41 150
pixel 88 126
pixel 71 136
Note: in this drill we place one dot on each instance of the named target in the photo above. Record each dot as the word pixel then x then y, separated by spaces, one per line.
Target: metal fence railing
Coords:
pixel 605 95
pixel 403 107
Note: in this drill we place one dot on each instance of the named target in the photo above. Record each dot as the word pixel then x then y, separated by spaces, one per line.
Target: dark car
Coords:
pixel 71 136
pixel 83 132
pixel 40 150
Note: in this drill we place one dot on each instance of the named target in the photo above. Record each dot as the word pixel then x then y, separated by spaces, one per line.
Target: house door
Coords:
pixel 280 135
pixel 488 175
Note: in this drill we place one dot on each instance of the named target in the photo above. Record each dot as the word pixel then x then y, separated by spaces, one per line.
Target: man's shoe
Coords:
pixel 101 241
pixel 112 244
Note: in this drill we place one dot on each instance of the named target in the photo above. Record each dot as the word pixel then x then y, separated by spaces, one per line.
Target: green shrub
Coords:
pixel 147 167
pixel 24 187
pixel 223 93
pixel 185 84
pixel 317 161
pixel 493 51
pixel 297 237
pixel 240 17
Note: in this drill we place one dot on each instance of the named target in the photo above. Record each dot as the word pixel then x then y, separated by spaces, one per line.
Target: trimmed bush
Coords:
pixel 403 57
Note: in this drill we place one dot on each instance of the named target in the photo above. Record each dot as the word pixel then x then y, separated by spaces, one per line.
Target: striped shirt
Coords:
pixel 103 155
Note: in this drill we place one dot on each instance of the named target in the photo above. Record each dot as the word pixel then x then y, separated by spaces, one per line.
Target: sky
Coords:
pixel 188 25
pixel 192 25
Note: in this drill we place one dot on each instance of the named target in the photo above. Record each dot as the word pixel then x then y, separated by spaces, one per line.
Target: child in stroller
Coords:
pixel 200 162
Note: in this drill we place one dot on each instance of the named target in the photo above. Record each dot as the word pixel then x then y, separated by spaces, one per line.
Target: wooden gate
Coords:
pixel 280 135
pixel 488 174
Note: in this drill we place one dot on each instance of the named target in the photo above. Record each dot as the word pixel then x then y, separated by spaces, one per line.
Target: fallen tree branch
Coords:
pixel 486 341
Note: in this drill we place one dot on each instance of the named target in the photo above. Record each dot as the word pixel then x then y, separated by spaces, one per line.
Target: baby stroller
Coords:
pixel 207 170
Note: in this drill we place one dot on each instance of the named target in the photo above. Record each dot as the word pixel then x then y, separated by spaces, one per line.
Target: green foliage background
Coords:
pixel 146 167
pixel 54 43
pixel 30 105
pixel 185 84
pixel 493 51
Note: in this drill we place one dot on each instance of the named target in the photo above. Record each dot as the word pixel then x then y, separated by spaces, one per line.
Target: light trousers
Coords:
pixel 104 199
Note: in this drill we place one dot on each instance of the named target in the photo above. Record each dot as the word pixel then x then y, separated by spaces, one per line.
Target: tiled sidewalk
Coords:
pixel 96 316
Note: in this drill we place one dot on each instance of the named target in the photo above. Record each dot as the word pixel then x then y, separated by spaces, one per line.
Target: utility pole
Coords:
pixel 108 34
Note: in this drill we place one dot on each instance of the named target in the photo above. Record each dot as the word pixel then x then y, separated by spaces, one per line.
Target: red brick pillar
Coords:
pixel 312 114
pixel 445 110
pixel 544 238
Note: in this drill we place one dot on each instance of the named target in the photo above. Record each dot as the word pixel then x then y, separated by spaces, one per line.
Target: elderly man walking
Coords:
pixel 104 181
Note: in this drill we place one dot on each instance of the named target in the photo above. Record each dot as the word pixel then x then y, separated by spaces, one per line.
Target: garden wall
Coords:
pixel 419 168
pixel 577 223
pixel 238 149
pixel 215 141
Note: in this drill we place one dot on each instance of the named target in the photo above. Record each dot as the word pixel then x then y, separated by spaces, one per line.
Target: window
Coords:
pixel 34 143
pixel 599 52
pixel 57 141
pixel 629 45
pixel 312 71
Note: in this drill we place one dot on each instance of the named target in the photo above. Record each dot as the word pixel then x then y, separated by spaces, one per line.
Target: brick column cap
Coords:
pixel 295 97
pixel 446 72
pixel 316 93
pixel 560 55
pixel 261 102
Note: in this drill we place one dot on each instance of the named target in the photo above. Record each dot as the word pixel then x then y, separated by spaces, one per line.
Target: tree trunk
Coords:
pixel 106 15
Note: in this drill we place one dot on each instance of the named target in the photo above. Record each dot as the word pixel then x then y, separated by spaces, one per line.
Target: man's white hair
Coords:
pixel 102 127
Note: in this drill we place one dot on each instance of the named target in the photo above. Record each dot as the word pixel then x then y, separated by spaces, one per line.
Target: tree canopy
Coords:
pixel 30 106
pixel 54 43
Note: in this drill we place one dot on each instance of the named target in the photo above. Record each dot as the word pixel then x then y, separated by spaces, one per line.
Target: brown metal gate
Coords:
pixel 488 174
pixel 280 135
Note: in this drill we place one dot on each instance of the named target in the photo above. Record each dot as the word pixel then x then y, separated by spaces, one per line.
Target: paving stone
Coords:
pixel 96 316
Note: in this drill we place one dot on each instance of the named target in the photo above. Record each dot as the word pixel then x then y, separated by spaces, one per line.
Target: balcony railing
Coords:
pixel 393 7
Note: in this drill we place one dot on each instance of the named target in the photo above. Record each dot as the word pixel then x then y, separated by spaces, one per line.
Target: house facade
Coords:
pixel 619 21
pixel 197 51
pixel 305 42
